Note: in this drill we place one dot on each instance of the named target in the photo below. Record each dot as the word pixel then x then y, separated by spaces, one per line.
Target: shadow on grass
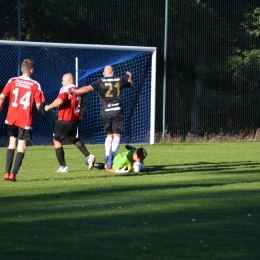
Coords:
pixel 182 220
pixel 241 167
pixel 221 167
pixel 184 228
pixel 245 167
pixel 117 193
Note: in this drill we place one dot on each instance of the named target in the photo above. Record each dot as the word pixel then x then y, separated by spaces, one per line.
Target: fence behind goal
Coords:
pixel 86 63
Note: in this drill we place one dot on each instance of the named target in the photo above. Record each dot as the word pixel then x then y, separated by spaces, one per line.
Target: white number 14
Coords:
pixel 24 100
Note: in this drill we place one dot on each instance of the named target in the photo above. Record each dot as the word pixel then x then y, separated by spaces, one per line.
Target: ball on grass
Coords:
pixel 138 166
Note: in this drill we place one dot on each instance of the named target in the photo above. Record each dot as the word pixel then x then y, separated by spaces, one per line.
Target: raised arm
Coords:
pixel 130 79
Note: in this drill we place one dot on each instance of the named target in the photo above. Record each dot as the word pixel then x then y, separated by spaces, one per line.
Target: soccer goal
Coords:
pixel 86 62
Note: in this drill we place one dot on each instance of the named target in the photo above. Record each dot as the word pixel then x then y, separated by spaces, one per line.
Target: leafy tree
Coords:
pixel 8 19
pixel 203 35
pixel 245 63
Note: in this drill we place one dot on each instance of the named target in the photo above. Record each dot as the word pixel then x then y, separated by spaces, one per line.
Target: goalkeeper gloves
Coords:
pixel 123 170
pixel 129 147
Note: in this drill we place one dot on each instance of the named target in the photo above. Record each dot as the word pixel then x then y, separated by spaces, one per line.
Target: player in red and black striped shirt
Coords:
pixel 69 114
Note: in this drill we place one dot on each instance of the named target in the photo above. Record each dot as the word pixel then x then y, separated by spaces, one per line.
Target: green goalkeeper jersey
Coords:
pixel 122 159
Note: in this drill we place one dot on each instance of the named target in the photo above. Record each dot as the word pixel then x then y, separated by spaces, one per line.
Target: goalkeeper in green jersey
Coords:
pixel 132 160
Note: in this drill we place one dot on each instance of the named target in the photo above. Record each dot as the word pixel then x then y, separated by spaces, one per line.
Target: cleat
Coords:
pixel 129 147
pixel 63 169
pixel 12 177
pixel 6 176
pixel 109 161
pixel 99 165
pixel 90 161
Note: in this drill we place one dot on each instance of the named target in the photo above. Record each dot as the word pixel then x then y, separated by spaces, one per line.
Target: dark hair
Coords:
pixel 141 153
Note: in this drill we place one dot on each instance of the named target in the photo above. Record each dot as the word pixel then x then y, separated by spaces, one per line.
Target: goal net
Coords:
pixel 86 63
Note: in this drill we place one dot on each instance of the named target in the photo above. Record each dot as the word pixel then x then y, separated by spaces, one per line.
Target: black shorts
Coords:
pixel 63 129
pixel 113 122
pixel 21 133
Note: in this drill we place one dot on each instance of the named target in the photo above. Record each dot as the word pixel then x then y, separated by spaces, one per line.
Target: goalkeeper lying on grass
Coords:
pixel 132 160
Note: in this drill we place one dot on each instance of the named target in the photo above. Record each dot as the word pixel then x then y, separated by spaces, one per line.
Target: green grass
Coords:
pixel 194 201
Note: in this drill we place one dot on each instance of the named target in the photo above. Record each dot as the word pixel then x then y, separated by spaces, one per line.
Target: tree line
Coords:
pixel 213 51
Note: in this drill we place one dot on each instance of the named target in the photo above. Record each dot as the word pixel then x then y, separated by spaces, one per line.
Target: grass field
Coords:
pixel 194 201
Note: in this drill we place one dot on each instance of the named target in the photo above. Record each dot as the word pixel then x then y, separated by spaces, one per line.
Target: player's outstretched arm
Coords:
pixel 122 170
pixel 81 90
pixel 57 102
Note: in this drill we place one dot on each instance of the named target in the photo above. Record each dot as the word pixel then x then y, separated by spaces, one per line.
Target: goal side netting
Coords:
pixel 86 63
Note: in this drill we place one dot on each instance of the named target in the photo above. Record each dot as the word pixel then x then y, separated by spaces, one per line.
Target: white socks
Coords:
pixel 112 145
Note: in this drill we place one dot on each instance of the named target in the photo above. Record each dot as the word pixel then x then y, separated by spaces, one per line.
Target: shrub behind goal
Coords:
pixel 86 63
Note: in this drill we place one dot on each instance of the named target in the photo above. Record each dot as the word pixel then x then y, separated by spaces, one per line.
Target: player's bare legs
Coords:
pixel 12 143
pixel 21 146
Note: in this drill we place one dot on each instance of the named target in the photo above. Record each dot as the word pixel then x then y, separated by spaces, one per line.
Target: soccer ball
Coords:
pixel 138 166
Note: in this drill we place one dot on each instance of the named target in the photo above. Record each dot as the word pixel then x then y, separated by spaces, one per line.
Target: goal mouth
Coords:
pixel 52 60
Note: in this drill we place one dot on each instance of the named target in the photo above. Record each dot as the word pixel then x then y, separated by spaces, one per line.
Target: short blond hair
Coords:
pixel 27 65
